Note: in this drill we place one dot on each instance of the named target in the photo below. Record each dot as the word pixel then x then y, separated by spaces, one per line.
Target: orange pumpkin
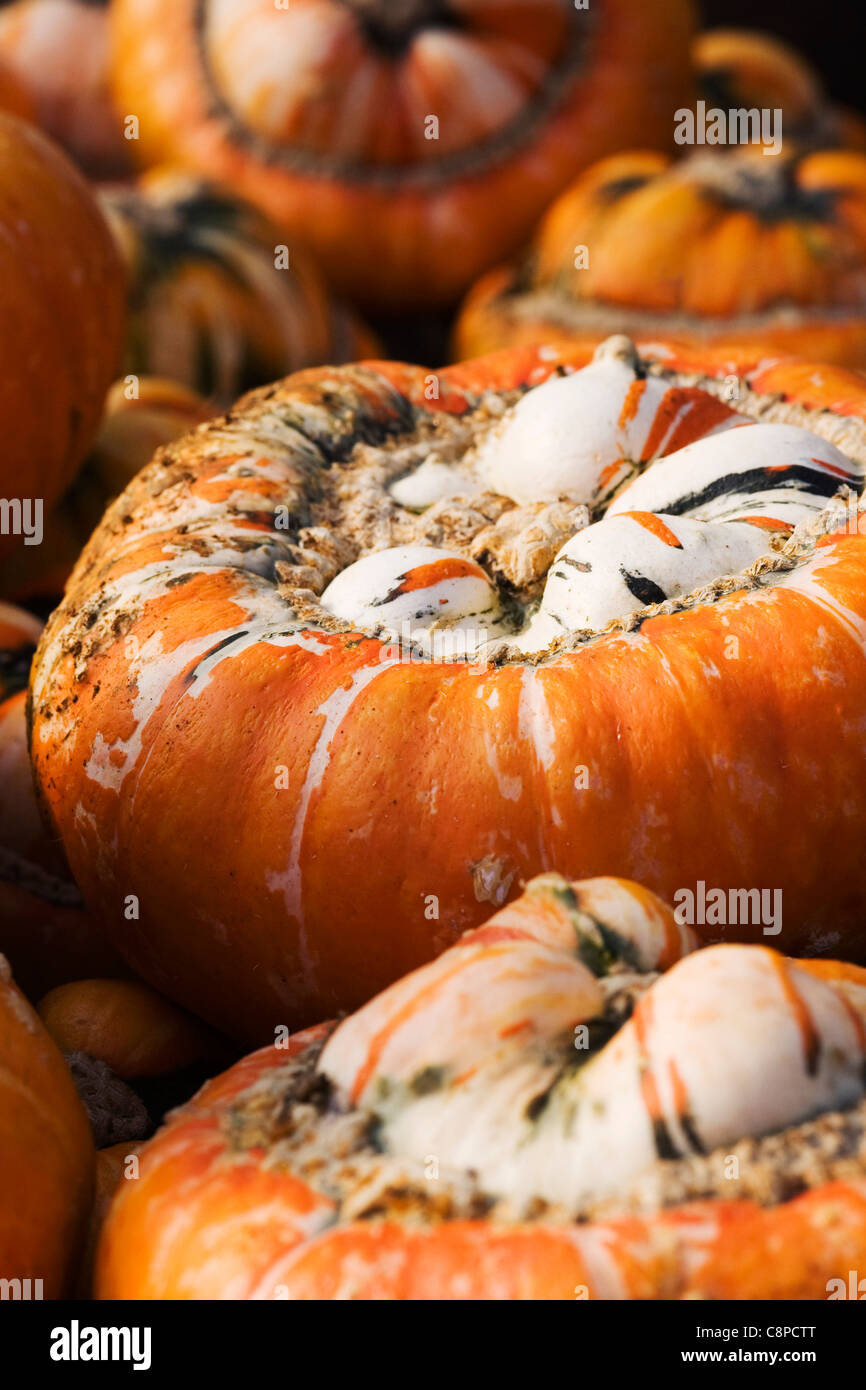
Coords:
pixel 726 249
pixel 742 68
pixel 21 828
pixel 126 1025
pixel 216 302
pixel 61 319
pixel 548 1111
pixel 408 144
pixel 133 1054
pixel 46 1154
pixel 57 51
pixel 305 756
pixel 114 1165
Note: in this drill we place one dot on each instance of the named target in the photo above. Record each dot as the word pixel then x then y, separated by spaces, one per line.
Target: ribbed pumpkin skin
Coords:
pixel 686 250
pixel 138 784
pixel 209 306
pixel 61 315
pixel 57 51
pixel 318 114
pixel 46 1152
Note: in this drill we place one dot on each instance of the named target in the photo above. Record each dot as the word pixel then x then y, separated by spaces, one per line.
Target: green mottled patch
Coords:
pixel 428 1080
pixel 384 1089
pixel 599 947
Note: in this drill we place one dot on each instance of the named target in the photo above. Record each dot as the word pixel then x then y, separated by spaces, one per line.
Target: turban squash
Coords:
pixel 298 733
pixel 57 51
pixel 720 248
pixel 46 1153
pixel 211 305
pixel 571 1102
pixel 61 316
pixel 409 143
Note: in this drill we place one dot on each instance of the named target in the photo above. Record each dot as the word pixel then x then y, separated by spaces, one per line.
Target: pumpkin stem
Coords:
pixel 618 347
pixel 115 1112
pixel 392 24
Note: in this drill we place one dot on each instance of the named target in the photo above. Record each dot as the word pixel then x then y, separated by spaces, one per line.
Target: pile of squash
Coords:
pixel 301 746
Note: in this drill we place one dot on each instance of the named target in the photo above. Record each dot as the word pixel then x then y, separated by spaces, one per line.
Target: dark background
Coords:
pixel 830 33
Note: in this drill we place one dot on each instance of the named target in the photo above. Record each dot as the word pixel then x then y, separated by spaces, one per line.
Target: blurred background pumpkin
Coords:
pixel 409 143
pixel 61 315
pixel 46 1153
pixel 733 244
pixel 217 301
pixel 749 68
pixel 730 247
pixel 57 53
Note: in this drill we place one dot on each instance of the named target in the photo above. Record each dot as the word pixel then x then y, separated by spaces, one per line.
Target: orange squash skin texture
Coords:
pixel 684 250
pixel 200 1151
pixel 46 1152
pixel 420 235
pixel 356 920
pixel 61 315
